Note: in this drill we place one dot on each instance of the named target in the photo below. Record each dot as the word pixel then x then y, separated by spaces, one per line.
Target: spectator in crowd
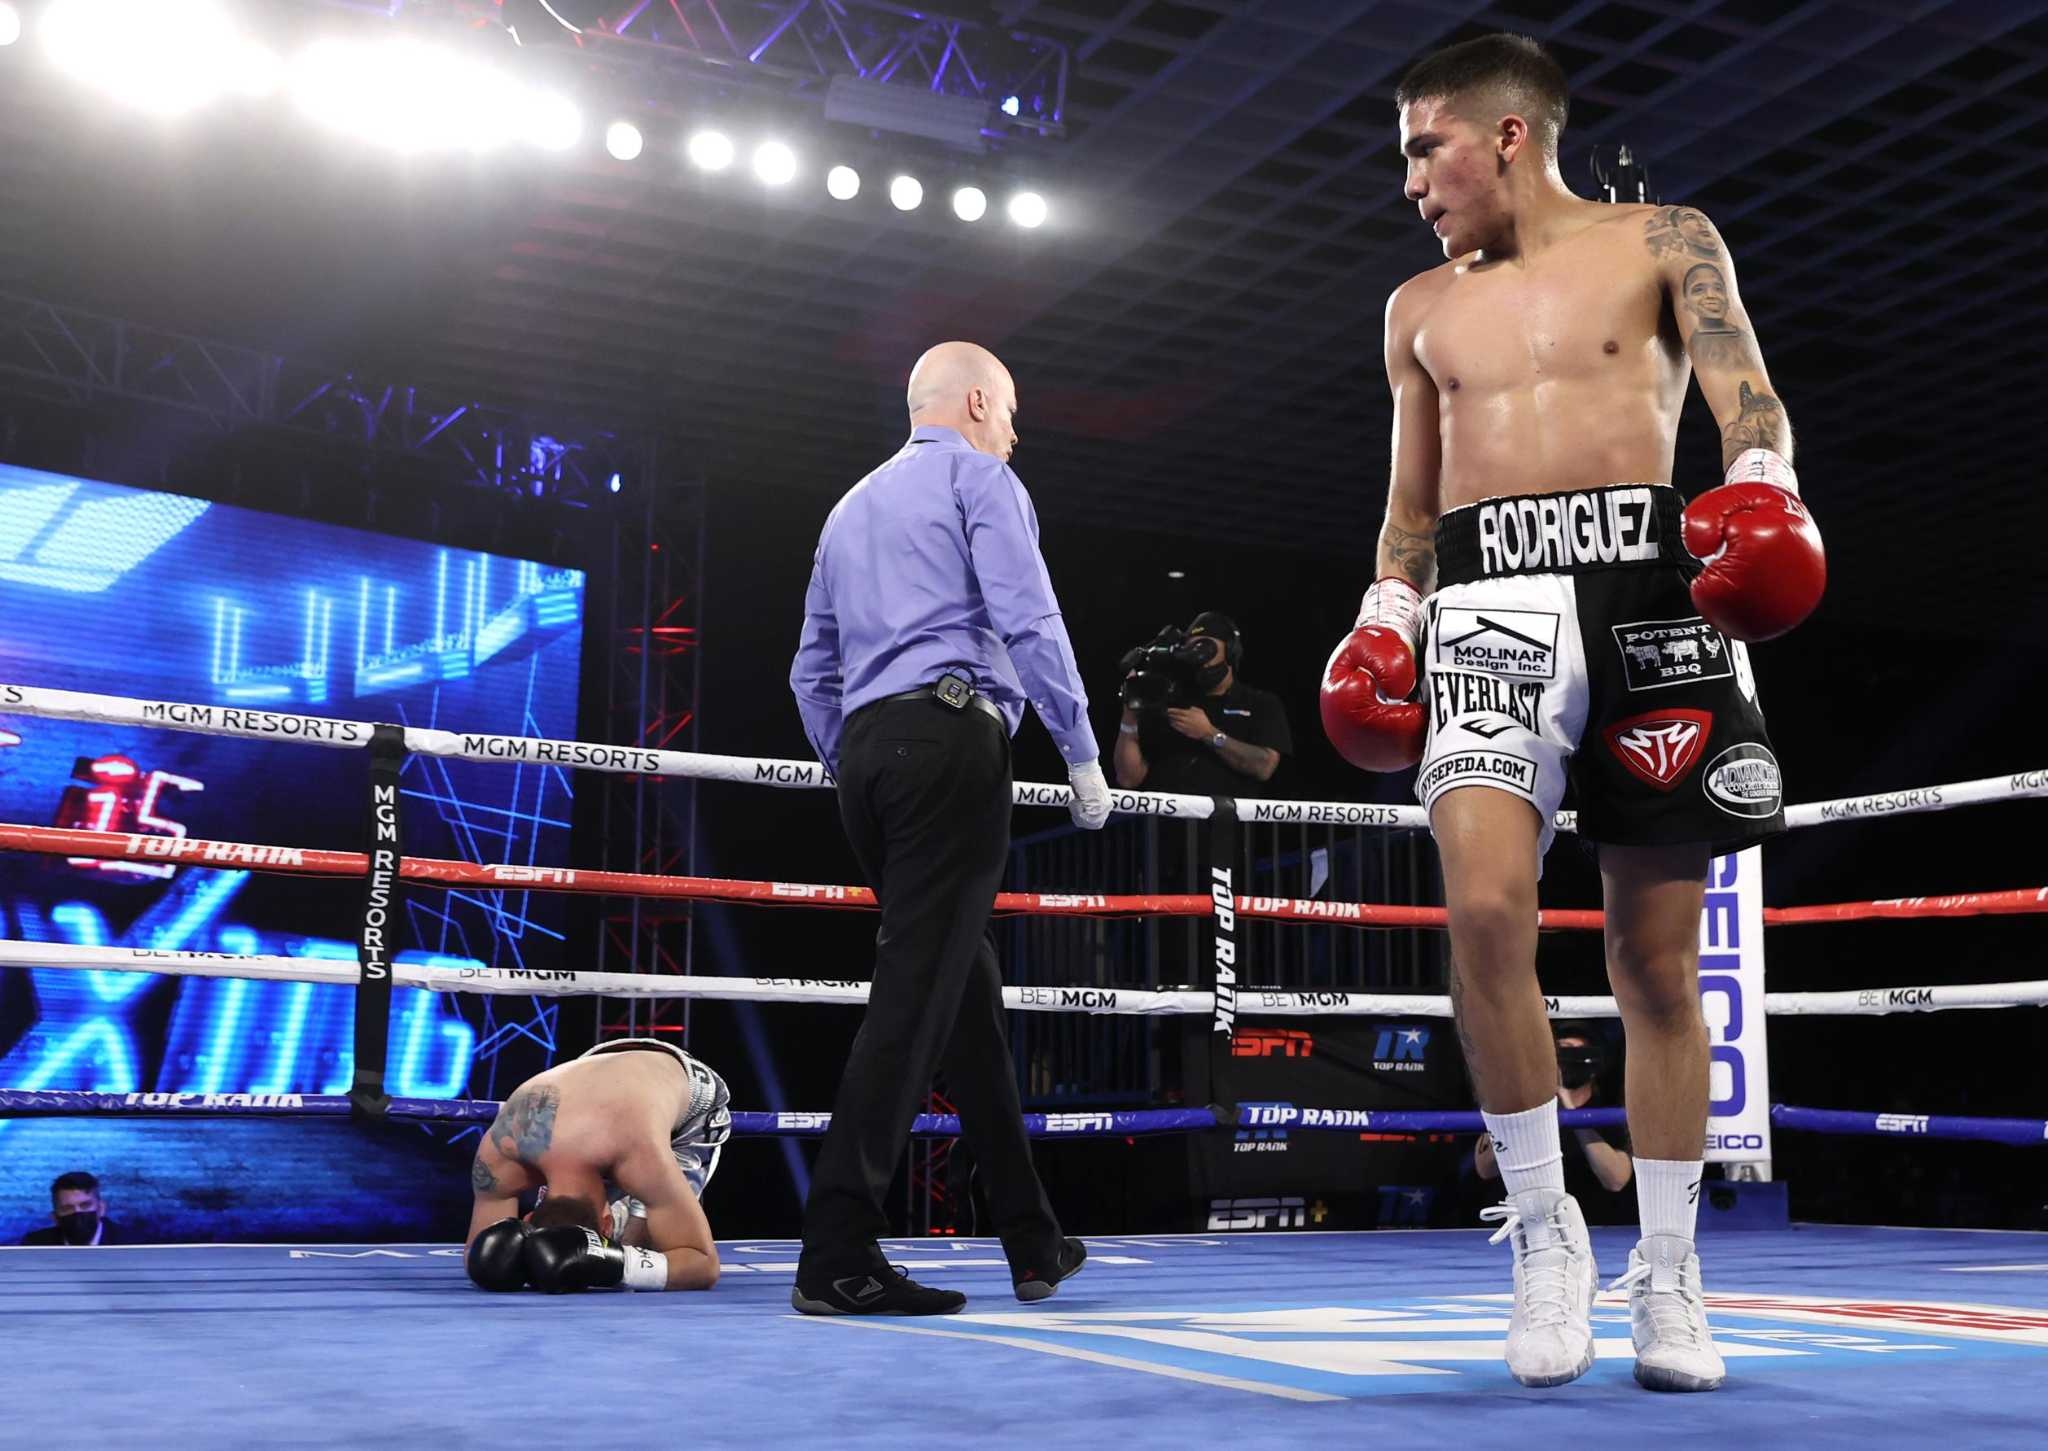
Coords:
pixel 78 1215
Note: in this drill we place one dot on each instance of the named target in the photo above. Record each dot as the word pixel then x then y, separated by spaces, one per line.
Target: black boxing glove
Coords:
pixel 496 1260
pixel 568 1257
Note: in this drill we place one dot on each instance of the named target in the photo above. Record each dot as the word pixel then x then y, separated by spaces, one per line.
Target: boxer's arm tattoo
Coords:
pixel 1759 423
pixel 1413 554
pixel 525 1126
pixel 481 1179
pixel 1722 347
pixel 1681 231
pixel 1716 342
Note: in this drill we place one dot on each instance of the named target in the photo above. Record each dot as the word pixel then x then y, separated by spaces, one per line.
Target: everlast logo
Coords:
pixel 1225 900
pixel 1454 693
pixel 1548 532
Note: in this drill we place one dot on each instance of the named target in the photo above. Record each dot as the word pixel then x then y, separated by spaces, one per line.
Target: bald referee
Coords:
pixel 929 622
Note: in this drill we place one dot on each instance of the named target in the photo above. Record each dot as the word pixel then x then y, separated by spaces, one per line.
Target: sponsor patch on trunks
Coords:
pixel 1672 652
pixel 1520 644
pixel 1744 781
pixel 1477 768
pixel 1660 747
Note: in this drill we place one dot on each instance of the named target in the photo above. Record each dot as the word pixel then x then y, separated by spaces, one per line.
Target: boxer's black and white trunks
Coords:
pixel 706 1120
pixel 1562 645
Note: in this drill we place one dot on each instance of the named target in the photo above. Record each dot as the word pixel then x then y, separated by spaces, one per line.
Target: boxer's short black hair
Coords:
pixel 1514 70
pixel 565 1209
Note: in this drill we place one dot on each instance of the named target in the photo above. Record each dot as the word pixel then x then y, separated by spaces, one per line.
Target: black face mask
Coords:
pixel 79 1226
pixel 1577 1067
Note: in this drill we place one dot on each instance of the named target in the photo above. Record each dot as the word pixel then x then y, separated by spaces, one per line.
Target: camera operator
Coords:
pixel 1192 727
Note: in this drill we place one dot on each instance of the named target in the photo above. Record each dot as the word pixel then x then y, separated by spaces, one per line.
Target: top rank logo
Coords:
pixel 1660 747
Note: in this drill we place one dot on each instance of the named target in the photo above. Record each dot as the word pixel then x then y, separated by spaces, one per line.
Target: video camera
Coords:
pixel 1171 669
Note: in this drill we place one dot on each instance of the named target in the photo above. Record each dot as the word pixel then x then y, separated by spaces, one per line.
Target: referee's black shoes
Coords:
pixel 884 1291
pixel 1037 1277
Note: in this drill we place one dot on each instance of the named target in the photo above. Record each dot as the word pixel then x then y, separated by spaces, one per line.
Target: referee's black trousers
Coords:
pixel 924 791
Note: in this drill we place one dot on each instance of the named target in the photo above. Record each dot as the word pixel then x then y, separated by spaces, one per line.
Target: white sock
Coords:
pixel 1668 1195
pixel 1526 1147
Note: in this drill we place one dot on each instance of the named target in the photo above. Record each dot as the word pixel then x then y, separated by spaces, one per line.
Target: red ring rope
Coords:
pixel 312 861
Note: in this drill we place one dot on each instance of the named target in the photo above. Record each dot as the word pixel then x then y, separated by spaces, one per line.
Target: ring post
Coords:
pixel 376 938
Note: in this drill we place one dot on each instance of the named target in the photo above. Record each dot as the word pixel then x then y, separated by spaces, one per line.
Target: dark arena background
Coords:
pixel 486 369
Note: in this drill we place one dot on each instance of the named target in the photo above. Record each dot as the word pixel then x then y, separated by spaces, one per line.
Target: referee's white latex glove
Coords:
pixel 1090 806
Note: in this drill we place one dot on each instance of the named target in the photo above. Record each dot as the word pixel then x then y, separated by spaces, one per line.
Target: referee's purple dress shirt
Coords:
pixel 930 564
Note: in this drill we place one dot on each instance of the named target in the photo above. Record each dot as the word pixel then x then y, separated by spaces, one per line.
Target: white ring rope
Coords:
pixel 271 725
pixel 1121 1002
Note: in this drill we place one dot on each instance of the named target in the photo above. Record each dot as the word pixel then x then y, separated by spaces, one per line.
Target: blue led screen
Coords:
pixel 123 591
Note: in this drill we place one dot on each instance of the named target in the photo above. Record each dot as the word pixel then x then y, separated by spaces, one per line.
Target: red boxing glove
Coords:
pixel 1367 713
pixel 1765 570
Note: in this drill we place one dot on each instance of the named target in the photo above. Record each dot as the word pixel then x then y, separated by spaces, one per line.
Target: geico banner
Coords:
pixel 1732 998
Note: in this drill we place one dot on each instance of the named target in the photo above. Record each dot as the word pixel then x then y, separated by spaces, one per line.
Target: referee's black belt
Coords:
pixel 953 693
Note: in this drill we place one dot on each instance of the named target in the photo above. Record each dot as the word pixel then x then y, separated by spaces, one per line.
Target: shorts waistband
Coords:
pixel 1620 526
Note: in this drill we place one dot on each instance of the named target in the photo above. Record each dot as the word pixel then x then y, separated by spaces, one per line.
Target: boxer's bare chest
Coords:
pixel 1589 310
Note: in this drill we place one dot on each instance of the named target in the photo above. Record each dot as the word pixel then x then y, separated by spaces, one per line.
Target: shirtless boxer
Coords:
pixel 635 1115
pixel 1586 624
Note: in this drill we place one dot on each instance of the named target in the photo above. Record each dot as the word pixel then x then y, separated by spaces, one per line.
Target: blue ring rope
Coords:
pixel 50 1103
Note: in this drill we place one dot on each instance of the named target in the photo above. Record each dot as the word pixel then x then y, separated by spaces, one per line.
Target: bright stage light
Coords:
pixel 906 193
pixel 415 98
pixel 166 57
pixel 842 183
pixel 552 122
pixel 623 140
pixel 253 70
pixel 711 150
pixel 774 163
pixel 970 203
pixel 10 24
pixel 1028 209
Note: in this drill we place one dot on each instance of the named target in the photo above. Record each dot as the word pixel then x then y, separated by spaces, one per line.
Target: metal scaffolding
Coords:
pixel 69 355
pixel 788 46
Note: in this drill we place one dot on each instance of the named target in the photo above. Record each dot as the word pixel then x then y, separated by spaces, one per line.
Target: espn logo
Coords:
pixel 1272 1043
pixel 1079 1123
pixel 1902 1123
pixel 1290 1212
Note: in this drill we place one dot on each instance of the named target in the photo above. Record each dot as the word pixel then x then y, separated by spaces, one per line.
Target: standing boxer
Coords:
pixel 1586 624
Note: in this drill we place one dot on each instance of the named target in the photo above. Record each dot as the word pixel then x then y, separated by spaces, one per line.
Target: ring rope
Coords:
pixel 434 871
pixel 1111 1001
pixel 758 771
pixel 1105 1123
